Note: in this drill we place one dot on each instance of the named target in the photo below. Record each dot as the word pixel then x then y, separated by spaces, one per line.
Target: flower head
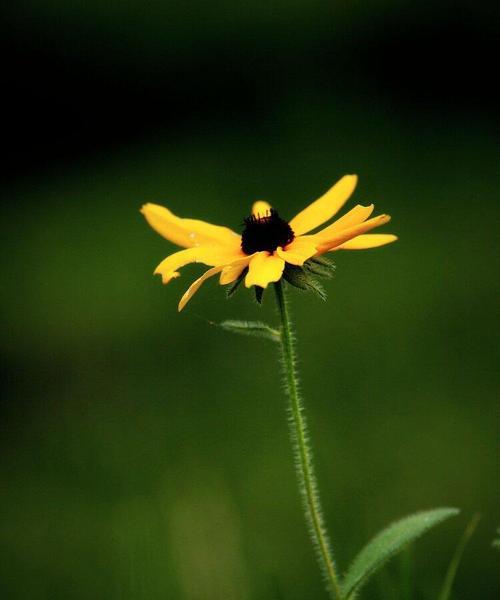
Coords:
pixel 268 242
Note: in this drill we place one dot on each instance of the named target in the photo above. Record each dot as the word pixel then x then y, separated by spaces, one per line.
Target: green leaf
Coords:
pixel 457 556
pixel 253 328
pixel 389 542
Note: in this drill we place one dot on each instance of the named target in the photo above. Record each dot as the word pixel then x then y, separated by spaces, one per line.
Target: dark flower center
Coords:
pixel 265 233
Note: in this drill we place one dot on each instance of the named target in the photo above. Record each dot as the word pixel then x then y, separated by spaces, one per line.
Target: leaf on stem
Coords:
pixel 389 542
pixel 253 328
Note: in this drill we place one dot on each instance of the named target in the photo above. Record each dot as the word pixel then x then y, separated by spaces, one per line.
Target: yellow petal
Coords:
pixel 263 269
pixel 214 255
pixel 188 233
pixel 356 215
pixel 325 207
pixel 195 286
pixel 370 240
pixel 261 208
pixel 298 251
pixel 231 273
pixel 341 237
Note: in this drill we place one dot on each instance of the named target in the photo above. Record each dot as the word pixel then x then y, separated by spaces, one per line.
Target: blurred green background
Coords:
pixel 144 453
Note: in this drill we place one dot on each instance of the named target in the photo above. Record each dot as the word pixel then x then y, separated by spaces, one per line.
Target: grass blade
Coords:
pixel 457 556
pixel 496 542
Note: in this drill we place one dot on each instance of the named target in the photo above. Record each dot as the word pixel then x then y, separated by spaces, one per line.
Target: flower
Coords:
pixel 267 242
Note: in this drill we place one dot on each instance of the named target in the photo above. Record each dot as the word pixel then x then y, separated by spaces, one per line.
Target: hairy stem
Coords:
pixel 303 456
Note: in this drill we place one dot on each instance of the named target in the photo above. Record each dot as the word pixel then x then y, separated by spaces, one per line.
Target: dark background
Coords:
pixel 145 454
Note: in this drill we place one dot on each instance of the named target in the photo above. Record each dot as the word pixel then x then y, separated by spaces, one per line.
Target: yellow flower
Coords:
pixel 267 241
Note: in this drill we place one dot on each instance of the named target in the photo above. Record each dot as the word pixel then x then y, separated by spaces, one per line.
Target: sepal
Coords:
pixel 320 267
pixel 232 288
pixel 259 294
pixel 302 279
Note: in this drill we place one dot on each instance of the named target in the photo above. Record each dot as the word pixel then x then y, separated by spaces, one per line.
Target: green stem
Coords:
pixel 304 466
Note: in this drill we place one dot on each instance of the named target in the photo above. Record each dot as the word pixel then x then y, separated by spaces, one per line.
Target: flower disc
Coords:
pixel 266 232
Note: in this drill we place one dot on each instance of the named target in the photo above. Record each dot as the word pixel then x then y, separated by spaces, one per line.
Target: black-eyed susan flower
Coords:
pixel 268 242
